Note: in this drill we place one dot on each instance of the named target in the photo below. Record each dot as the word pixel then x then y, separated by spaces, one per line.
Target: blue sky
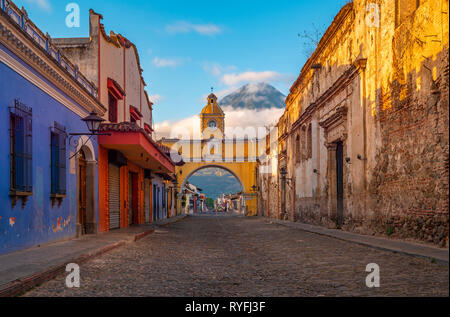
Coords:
pixel 186 47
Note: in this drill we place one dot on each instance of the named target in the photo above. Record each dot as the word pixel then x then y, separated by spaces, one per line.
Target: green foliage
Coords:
pixel 390 230
pixel 210 203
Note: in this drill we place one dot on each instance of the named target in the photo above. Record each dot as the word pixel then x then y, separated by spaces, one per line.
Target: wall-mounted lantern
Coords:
pixel 93 122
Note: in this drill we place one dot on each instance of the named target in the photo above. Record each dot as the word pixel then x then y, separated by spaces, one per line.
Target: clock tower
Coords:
pixel 212 120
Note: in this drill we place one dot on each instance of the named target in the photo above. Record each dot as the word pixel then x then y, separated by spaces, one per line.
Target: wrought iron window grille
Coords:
pixel 58 138
pixel 21 154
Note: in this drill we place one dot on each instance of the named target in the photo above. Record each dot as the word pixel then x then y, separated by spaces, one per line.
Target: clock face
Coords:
pixel 212 124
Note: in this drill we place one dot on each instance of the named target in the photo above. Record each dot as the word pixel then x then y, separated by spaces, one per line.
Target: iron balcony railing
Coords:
pixel 20 17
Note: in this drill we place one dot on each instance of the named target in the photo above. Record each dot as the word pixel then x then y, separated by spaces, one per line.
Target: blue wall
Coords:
pixel 37 222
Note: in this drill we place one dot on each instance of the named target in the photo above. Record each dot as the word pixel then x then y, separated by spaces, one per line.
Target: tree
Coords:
pixel 311 39
pixel 210 203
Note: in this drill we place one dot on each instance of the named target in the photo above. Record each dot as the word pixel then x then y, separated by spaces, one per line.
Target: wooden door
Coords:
pixel 340 183
pixel 130 199
pixel 82 191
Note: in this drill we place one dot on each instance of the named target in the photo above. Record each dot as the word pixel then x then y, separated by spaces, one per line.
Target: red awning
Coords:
pixel 135 113
pixel 148 128
pixel 137 146
pixel 115 88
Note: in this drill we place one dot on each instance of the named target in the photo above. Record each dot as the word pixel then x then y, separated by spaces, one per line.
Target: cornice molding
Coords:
pixel 329 34
pixel 24 48
pixel 338 116
pixel 337 86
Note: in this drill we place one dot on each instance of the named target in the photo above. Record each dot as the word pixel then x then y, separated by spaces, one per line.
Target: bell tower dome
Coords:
pixel 212 120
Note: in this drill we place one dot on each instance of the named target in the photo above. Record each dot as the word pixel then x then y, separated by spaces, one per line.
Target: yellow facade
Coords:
pixel 237 154
pixel 212 120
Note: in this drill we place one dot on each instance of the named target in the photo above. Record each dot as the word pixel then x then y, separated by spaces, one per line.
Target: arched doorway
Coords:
pixel 86 176
pixel 82 164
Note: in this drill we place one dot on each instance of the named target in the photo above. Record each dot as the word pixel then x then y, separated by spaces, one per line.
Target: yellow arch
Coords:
pixel 243 171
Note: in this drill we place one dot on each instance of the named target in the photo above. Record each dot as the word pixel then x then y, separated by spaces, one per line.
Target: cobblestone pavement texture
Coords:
pixel 236 256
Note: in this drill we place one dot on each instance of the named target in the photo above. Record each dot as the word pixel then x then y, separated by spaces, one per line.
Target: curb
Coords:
pixel 374 246
pixel 175 221
pixel 22 285
pixel 143 235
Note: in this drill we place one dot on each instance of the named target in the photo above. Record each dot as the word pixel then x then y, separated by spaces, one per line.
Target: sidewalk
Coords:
pixel 22 270
pixel 398 246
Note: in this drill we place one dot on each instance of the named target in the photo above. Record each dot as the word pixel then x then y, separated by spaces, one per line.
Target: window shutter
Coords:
pixel 19 155
pixel 62 164
pixel 28 153
pixel 21 134
pixel 54 162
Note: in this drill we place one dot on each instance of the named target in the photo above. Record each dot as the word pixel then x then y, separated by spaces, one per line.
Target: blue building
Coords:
pixel 49 183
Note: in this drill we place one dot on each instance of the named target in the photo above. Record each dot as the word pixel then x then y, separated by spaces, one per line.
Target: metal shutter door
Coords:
pixel 114 197
pixel 147 200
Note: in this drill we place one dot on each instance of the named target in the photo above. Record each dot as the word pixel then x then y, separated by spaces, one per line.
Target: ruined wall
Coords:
pixel 378 83
pixel 408 183
pixel 316 95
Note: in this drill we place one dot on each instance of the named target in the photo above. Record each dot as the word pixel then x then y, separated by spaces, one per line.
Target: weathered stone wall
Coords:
pixel 409 182
pixel 382 90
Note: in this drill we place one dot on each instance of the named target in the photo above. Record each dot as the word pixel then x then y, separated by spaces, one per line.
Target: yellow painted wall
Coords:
pixel 245 172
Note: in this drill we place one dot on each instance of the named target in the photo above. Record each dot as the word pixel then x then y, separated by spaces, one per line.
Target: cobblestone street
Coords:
pixel 234 256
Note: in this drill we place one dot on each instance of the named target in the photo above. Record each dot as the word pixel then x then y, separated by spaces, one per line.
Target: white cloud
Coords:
pixel 187 27
pixel 234 118
pixel 184 128
pixel 256 118
pixel 169 62
pixel 156 98
pixel 216 69
pixel 43 4
pixel 252 77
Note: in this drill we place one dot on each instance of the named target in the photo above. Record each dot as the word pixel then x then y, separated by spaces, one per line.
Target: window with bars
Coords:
pixel 58 138
pixel 112 108
pixel 20 119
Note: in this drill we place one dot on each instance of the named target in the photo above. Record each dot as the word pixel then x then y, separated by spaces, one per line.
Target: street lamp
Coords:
pixel 93 122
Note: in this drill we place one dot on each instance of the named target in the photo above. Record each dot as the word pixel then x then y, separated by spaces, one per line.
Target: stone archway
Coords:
pixel 244 172
pixel 192 173
pixel 86 176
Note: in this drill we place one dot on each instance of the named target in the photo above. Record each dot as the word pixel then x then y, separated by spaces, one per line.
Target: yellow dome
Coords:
pixel 212 107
